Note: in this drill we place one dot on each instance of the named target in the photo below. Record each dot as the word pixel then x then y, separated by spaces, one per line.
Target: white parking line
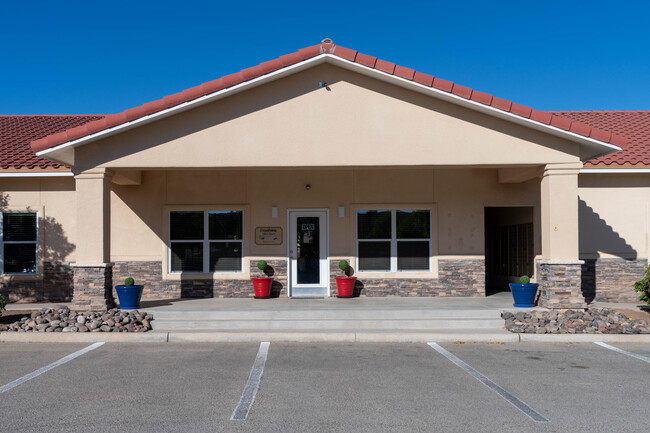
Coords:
pixel 253 384
pixel 510 398
pixel 40 371
pixel 624 352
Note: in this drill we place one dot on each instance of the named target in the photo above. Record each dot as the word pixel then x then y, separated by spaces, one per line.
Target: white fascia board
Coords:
pixel 599 147
pixel 189 105
pixel 615 170
pixel 38 174
pixel 477 106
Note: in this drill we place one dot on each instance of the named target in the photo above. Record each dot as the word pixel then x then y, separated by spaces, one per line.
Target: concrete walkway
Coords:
pixel 366 319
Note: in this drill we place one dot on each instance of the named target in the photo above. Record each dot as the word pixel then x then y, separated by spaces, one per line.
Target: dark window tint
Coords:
pixel 19 258
pixel 374 256
pixel 225 256
pixel 186 225
pixel 374 224
pixel 413 224
pixel 225 225
pixel 412 256
pixel 187 256
pixel 19 226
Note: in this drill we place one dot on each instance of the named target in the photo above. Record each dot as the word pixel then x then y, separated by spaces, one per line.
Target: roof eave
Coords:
pixel 590 149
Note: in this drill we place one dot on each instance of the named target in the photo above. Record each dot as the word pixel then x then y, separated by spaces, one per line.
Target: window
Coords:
pixel 206 241
pixel 393 240
pixel 18 243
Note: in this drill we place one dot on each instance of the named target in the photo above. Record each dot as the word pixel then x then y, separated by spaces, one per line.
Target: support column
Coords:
pixel 559 271
pixel 93 273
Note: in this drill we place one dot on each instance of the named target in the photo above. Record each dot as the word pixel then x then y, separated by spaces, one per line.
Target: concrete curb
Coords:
pixel 316 337
pixel 585 338
pixel 83 337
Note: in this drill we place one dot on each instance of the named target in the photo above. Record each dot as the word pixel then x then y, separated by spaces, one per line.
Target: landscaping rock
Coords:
pixel 61 319
pixel 592 321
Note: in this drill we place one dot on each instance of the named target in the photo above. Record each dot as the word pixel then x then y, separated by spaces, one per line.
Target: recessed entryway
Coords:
pixel 509 246
pixel 308 242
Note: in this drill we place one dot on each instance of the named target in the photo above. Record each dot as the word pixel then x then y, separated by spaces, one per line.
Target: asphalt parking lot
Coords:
pixel 324 387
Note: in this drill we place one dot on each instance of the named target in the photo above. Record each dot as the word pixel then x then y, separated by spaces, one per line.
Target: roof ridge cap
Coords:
pixel 50 115
pixel 599 111
pixel 328 48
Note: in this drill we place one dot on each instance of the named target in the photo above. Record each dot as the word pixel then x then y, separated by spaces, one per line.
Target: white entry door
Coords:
pixel 308 253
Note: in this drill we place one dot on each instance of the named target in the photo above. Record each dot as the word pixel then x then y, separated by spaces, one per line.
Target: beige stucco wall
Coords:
pixel 457 198
pixel 355 121
pixel 614 215
pixel 614 209
pixel 54 200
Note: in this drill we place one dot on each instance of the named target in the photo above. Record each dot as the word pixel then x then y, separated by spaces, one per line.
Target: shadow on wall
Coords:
pixel 55 280
pixel 598 236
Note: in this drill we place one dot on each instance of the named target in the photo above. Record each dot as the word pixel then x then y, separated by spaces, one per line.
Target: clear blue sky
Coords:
pixel 104 57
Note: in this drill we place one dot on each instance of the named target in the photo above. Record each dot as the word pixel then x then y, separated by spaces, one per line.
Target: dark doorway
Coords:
pixel 509 246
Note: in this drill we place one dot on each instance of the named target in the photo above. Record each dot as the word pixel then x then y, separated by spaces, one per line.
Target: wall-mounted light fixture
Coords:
pixel 274 211
pixel 308 187
pixel 341 211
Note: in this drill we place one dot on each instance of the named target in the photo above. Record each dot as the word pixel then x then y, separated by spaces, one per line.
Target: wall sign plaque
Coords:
pixel 268 235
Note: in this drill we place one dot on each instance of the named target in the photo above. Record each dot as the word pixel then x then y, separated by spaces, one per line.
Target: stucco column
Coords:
pixel 93 275
pixel 559 271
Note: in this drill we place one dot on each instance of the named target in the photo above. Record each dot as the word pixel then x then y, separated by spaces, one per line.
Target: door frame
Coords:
pixel 326 243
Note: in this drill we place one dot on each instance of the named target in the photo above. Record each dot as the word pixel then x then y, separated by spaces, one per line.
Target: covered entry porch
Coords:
pixel 405 231
pixel 396 173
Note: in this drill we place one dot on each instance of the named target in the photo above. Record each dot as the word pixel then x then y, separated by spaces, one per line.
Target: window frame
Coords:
pixel 206 241
pixel 394 239
pixel 35 242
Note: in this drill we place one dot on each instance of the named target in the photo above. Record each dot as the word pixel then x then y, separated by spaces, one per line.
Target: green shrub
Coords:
pixel 129 282
pixel 262 265
pixel 643 287
pixel 3 303
pixel 525 279
pixel 344 265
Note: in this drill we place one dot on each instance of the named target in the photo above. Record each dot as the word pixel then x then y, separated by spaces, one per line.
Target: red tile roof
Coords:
pixel 16 132
pixel 325 47
pixel 634 125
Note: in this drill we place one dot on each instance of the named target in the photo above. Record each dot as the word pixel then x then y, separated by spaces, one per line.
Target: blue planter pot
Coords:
pixel 524 294
pixel 129 296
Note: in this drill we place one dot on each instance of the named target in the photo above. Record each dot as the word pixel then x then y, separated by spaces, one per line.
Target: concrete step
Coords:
pixel 327 324
pixel 327 314
pixel 345 335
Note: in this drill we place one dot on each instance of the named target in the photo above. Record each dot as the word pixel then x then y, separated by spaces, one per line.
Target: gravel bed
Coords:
pixel 61 319
pixel 591 321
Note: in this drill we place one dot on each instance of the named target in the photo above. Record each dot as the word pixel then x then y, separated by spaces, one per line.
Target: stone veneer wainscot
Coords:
pixel 612 279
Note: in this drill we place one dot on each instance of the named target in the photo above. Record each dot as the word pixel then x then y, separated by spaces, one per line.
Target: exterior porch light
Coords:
pixel 308 187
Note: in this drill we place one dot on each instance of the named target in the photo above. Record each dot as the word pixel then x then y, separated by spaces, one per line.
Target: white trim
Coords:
pixel 449 97
pixel 561 262
pixel 393 209
pixel 34 242
pixel 292 276
pixel 206 241
pixel 615 170
pixel 39 174
pixel 188 105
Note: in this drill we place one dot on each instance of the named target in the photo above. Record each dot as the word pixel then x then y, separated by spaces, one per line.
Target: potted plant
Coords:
pixel 524 292
pixel 345 283
pixel 262 285
pixel 129 294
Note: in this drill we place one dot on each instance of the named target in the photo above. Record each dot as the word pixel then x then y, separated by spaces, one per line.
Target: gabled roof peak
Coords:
pixel 327 47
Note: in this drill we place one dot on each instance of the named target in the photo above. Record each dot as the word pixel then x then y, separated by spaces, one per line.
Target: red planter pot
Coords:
pixel 262 286
pixel 345 286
